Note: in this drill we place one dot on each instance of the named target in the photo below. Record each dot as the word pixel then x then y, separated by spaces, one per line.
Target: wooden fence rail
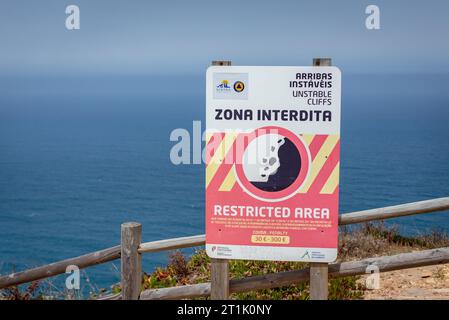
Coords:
pixel 53 269
pixel 402 210
pixel 113 253
pixel 172 244
pixel 281 279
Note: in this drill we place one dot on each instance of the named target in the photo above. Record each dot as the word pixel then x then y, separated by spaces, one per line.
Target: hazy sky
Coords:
pixel 156 37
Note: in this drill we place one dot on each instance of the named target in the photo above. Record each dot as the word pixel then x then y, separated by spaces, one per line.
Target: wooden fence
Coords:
pixel 131 249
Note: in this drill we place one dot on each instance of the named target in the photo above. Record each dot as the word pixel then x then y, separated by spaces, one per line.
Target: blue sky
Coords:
pixel 157 37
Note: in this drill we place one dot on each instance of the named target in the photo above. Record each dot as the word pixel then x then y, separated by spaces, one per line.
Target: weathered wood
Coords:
pixel 336 270
pixel 322 62
pixel 176 293
pixel 113 253
pixel 59 267
pixel 390 263
pixel 219 268
pixel 172 244
pixel 219 274
pixel 319 271
pixel 221 63
pixel 117 296
pixel 131 260
pixel 270 280
pixel 344 269
pixel 319 281
pixel 440 204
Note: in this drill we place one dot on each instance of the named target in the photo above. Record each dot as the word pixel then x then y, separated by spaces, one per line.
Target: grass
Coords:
pixel 367 240
pixel 181 271
pixel 54 288
pixel 376 238
pixel 15 293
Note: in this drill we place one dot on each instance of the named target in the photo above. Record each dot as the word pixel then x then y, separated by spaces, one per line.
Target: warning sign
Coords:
pixel 272 162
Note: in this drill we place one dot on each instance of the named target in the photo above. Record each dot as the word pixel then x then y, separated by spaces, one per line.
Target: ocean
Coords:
pixel 81 155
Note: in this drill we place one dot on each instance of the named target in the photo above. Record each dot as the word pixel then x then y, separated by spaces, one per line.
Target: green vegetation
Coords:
pixel 368 240
pixel 197 269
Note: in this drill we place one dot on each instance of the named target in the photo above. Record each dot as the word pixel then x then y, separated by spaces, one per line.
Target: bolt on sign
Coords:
pixel 272 162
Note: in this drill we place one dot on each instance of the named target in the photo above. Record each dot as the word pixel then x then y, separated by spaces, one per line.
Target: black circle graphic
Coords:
pixel 239 86
pixel 290 166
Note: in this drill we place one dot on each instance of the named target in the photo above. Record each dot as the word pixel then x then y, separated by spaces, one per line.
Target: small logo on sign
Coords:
pixel 224 85
pixel 306 254
pixel 230 86
pixel 239 86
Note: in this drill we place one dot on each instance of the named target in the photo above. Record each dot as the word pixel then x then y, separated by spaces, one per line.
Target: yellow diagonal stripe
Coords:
pixel 219 156
pixel 320 159
pixel 229 181
pixel 332 182
pixel 308 138
pixel 208 136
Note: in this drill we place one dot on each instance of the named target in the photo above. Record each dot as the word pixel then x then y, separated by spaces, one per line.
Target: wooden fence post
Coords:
pixel 319 281
pixel 219 279
pixel 219 268
pixel 319 285
pixel 131 261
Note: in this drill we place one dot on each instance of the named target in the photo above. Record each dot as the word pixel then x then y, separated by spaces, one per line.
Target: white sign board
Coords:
pixel 272 162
